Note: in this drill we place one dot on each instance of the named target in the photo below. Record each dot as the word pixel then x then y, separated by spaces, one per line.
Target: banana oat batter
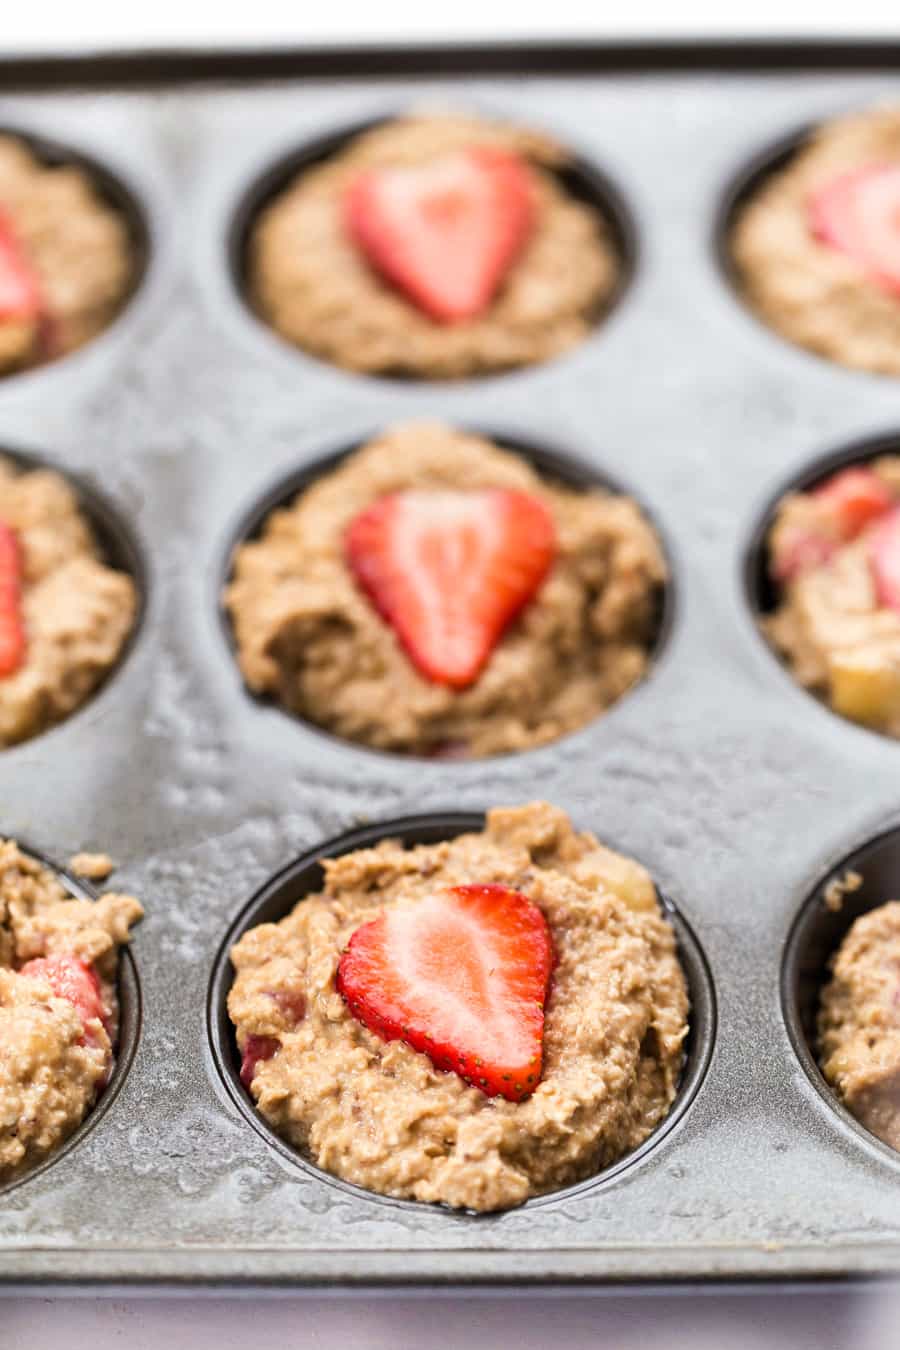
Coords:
pixel 308 636
pixel 816 250
pixel 58 1006
pixel 66 262
pixel 834 555
pixel 379 1113
pixel 859 1022
pixel 74 612
pixel 314 286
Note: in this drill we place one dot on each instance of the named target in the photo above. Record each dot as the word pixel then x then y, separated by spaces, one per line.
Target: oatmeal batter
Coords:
pixel 837 639
pixel 78 612
pixel 812 293
pixel 52 1065
pixel 379 1114
pixel 307 637
pixel 311 284
pixel 859 1022
pixel 78 246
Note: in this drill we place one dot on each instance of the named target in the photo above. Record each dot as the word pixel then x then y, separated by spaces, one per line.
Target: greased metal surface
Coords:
pixel 734 787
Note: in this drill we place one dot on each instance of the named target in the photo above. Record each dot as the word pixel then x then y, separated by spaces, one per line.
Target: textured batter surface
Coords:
pixel 812 293
pixel 308 637
pixel 379 1114
pixel 76 243
pixel 310 282
pixel 859 1022
pixel 837 639
pixel 51 1071
pixel 78 612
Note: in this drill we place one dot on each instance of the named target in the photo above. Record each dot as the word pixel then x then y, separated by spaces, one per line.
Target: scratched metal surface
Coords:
pixel 734 787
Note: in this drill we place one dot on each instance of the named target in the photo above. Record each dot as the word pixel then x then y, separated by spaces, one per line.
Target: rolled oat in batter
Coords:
pixel 74 614
pixel 859 1022
pixel 313 285
pixel 58 1005
pixel 66 261
pixel 307 636
pixel 833 552
pixel 800 257
pixel 378 1113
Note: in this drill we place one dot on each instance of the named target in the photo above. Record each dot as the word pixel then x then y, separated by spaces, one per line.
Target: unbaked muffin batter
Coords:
pixel 859 1022
pixel 310 282
pixel 54 1062
pixel 76 245
pixel 308 637
pixel 379 1113
pixel 77 612
pixel 837 621
pixel 813 293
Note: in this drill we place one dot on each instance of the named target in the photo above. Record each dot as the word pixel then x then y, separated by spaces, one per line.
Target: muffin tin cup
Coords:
pixel 552 464
pixel 760 592
pixel 813 940
pixel 581 178
pixel 729 783
pixel 118 546
pixel 128 990
pixel 115 187
pixel 304 877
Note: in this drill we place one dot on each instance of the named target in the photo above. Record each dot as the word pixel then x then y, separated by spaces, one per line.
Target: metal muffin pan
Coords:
pixel 734 787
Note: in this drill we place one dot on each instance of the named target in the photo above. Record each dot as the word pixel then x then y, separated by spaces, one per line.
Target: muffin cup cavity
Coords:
pixel 814 938
pixel 760 591
pixel 119 548
pixel 741 188
pixel 582 180
pixel 277 897
pixel 550 463
pixel 130 1021
pixel 114 191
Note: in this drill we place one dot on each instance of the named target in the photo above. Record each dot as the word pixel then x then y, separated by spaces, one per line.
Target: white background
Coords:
pixel 757 1321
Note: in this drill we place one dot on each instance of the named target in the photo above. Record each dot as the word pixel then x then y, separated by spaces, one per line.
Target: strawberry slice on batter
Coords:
pixel 12 629
pixel 858 213
pixel 450 570
pixel 462 976
pixel 885 560
pixel 20 295
pixel 71 978
pixel 843 506
pixel 445 232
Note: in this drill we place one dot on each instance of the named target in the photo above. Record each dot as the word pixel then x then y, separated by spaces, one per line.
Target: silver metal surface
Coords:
pixel 733 786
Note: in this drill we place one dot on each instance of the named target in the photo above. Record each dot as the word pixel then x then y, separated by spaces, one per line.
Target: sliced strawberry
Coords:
pixel 449 571
pixel 461 976
pixel 256 1049
pixel 20 294
pixel 858 213
pixel 884 557
pixel 844 505
pixel 853 498
pixel 12 631
pixel 71 978
pixel 445 232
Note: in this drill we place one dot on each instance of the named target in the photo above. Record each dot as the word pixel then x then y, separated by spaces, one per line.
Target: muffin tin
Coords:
pixel 739 793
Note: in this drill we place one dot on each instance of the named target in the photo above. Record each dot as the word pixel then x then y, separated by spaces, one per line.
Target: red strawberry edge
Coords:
pixel 12 631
